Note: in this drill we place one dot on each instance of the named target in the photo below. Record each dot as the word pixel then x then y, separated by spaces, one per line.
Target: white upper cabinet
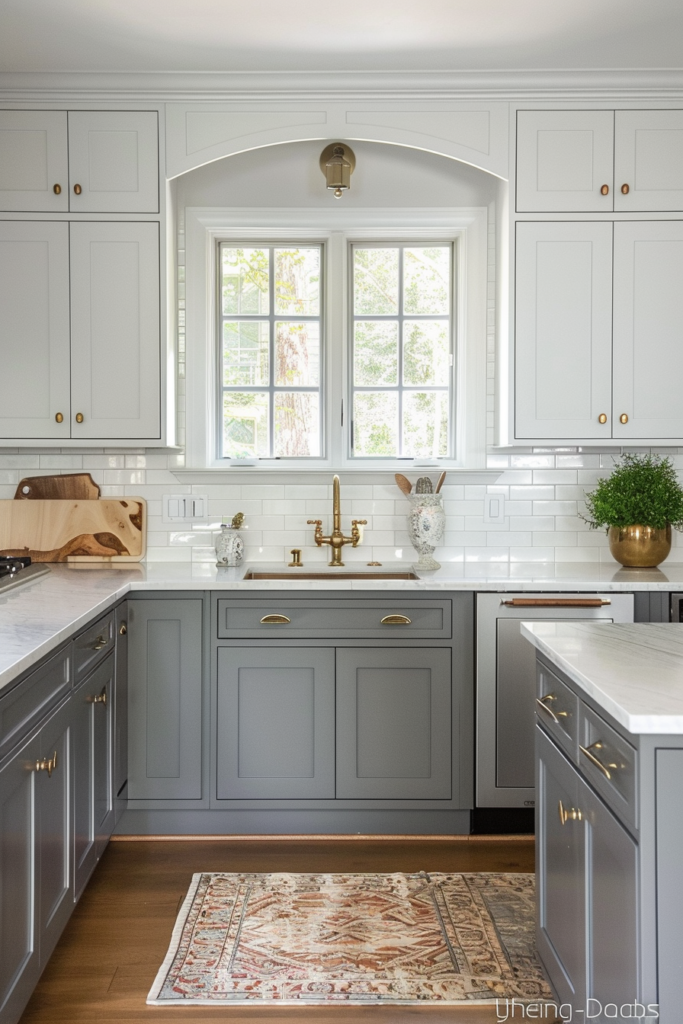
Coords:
pixel 34 162
pixel 563 343
pixel 648 160
pixel 565 161
pixel 599 161
pixel 113 161
pixel 100 161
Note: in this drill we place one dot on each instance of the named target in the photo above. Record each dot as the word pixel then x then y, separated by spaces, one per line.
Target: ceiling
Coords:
pixel 311 35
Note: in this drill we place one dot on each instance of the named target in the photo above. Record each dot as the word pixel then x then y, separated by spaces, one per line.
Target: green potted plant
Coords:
pixel 638 504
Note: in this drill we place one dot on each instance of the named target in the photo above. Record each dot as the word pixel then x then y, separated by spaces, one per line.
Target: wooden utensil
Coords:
pixel 108 530
pixel 440 482
pixel 67 485
pixel 403 483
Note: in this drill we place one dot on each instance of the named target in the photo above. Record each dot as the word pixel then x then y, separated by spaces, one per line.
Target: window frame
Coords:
pixel 335 228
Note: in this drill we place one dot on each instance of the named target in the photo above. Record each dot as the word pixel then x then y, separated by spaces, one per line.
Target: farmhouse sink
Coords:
pixel 326 574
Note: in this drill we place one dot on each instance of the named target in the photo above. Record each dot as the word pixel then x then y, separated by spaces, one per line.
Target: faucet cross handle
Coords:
pixel 314 522
pixel 355 532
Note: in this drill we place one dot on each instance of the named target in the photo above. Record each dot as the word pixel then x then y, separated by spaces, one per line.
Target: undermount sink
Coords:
pixel 326 574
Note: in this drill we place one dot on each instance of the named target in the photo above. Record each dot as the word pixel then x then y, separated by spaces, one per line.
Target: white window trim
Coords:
pixel 335 228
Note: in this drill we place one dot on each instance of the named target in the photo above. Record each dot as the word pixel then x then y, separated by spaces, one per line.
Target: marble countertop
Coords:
pixel 633 671
pixel 36 618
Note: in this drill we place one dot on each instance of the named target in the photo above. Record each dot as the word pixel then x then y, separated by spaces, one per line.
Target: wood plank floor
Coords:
pixel 106 960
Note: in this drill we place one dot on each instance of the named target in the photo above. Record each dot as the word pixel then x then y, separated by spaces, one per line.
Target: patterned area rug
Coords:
pixel 295 939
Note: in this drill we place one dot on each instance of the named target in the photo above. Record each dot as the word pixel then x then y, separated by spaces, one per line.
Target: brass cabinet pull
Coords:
pixel 101 698
pixel 57 189
pixel 602 418
pixel 395 620
pixel 275 620
pixel 77 189
pixel 59 417
pixel 604 191
pixel 556 602
pixel 555 715
pixel 569 813
pixel 623 418
pixel 123 629
pixel 79 417
pixel 101 642
pixel 625 190
pixel 47 765
pixel 587 752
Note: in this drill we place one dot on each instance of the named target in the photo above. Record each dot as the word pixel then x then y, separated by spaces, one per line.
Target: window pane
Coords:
pixel 297 423
pixel 426 278
pixel 244 283
pixel 425 352
pixel 425 423
pixel 245 425
pixel 297 281
pixel 297 354
pixel 375 423
pixel 375 352
pixel 245 354
pixel 375 281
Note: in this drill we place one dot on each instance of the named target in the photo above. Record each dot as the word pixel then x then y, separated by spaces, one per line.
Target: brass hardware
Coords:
pixel 57 189
pixel 101 698
pixel 296 558
pixel 640 546
pixel 47 765
pixel 79 417
pixel 604 191
pixel 555 715
pixel 395 620
pixel 336 539
pixel 374 563
pixel 77 189
pixel 100 642
pixel 337 162
pixel 275 620
pixel 602 418
pixel 625 190
pixel 556 602
pixel 569 813
pixel 605 769
pixel 123 629
pixel 59 417
pixel 623 418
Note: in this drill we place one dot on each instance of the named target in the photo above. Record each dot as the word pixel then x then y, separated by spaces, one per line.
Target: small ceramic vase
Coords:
pixel 426 523
pixel 229 546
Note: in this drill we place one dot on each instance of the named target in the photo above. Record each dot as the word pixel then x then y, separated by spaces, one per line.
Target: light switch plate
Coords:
pixel 185 508
pixel 494 508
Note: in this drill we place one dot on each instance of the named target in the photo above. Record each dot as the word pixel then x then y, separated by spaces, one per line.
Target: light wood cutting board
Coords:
pixel 74 530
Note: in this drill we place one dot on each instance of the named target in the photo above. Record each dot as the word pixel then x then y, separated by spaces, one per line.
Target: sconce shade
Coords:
pixel 337 163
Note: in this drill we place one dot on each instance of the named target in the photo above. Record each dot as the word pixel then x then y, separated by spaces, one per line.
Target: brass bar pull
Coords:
pixel 604 191
pixel 625 190
pixel 395 620
pixel 57 189
pixel 47 765
pixel 77 189
pixel 100 643
pixel 556 602
pixel 548 711
pixel 101 698
pixel 569 813
pixel 275 620
pixel 586 751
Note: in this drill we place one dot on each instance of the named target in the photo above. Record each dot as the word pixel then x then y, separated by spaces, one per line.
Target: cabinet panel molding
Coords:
pixel 114 159
pixel 648 157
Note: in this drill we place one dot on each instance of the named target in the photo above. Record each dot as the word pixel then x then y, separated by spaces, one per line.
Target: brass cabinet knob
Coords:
pixel 602 418
pixel 77 189
pixel 623 418
pixel 123 629
pixel 79 417
pixel 100 698
pixel 59 417
pixel 57 189
pixel 569 813
pixel 46 764
pixel 604 191
pixel 625 190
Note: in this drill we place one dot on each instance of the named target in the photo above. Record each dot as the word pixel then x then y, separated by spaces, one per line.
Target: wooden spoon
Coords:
pixel 441 480
pixel 403 483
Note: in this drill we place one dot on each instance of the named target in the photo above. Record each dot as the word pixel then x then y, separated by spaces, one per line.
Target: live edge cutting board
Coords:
pixel 75 530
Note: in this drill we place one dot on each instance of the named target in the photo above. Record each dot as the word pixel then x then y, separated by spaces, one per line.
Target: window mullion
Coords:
pixel 271 349
pixel 400 352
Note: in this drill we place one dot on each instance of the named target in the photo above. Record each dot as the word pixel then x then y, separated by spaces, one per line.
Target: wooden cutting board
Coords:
pixel 108 530
pixel 65 485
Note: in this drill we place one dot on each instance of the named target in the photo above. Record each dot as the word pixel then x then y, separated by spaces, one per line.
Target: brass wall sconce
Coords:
pixel 337 162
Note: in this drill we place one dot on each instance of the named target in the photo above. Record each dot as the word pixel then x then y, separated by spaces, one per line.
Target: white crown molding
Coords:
pixel 159 87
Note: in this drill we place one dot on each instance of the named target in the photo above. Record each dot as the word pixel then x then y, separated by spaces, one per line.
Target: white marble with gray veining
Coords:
pixel 633 671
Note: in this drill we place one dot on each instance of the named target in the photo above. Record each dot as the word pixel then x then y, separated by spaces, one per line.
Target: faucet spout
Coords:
pixel 336 505
pixel 336 539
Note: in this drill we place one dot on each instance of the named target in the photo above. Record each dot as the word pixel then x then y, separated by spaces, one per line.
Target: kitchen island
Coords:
pixel 610 816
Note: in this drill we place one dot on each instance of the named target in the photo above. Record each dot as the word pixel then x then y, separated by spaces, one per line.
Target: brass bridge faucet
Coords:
pixel 337 540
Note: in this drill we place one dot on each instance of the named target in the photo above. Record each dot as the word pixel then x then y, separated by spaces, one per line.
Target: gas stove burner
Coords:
pixel 16 570
pixel 23 561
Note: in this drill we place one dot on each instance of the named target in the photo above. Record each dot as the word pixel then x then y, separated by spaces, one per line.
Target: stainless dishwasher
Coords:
pixel 506 685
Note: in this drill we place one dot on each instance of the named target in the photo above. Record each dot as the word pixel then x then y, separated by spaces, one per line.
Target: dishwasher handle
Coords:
pixel 556 602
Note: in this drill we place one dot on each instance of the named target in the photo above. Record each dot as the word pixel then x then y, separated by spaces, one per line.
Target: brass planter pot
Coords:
pixel 639 546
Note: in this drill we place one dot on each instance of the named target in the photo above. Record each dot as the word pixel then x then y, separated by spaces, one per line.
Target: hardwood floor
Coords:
pixel 109 954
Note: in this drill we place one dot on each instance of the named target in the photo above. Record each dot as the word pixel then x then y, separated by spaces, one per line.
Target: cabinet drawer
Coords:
pixel 25 705
pixel 557 708
pixel 610 764
pixel 94 644
pixel 278 618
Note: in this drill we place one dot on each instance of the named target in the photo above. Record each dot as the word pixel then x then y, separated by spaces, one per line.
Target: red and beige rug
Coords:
pixel 297 939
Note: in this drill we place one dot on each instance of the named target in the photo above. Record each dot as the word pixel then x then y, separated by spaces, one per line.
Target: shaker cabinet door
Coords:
pixel 648 160
pixel 34 163
pixel 113 161
pixel 53 799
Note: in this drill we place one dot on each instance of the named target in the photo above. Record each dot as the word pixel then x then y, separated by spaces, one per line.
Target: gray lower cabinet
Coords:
pixel 120 712
pixel 165 699
pixel 275 723
pixel 393 723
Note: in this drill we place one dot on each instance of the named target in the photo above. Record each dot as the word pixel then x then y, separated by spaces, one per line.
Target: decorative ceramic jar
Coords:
pixel 426 523
pixel 230 543
pixel 639 546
